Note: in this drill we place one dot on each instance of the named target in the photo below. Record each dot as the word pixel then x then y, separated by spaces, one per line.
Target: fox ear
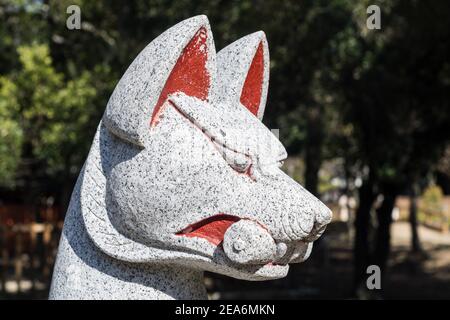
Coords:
pixel 243 73
pixel 180 59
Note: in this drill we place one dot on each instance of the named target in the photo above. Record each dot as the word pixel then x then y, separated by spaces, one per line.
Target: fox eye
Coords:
pixel 238 161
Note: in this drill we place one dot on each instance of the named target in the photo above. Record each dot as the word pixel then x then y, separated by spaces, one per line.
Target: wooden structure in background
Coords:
pixel 27 248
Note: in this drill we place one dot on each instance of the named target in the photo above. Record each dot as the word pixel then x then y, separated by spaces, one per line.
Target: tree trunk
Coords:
pixel 383 234
pixel 67 185
pixel 415 241
pixel 313 149
pixel 361 249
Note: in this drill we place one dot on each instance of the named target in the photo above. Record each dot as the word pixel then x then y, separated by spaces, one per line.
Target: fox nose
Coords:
pixel 322 218
pixel 306 224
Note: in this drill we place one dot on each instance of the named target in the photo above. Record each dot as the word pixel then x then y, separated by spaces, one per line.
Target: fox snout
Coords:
pixel 285 236
pixel 250 242
pixel 280 231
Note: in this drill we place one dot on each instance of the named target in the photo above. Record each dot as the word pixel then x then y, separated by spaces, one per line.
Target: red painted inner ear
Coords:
pixel 212 228
pixel 252 90
pixel 189 75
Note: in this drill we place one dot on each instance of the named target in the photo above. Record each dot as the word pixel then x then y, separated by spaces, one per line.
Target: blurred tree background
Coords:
pixel 376 101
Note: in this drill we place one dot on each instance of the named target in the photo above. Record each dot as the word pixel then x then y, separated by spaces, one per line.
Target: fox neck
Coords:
pixel 83 271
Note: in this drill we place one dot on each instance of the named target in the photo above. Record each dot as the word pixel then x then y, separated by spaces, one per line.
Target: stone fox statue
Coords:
pixel 183 177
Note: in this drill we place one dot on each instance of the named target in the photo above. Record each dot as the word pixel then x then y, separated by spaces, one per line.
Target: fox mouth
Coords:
pixel 212 228
pixel 246 245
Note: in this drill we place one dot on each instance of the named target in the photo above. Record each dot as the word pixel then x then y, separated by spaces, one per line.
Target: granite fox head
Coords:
pixel 189 174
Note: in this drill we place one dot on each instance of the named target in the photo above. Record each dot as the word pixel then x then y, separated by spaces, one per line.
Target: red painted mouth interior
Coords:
pixel 212 228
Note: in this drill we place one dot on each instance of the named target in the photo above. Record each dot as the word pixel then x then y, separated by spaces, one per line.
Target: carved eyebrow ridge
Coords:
pixel 207 133
pixel 218 143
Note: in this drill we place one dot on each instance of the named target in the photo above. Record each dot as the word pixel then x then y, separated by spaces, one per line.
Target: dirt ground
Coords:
pixel 328 272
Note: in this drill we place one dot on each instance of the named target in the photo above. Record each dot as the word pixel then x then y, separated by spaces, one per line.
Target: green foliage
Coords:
pixel 47 114
pixel 10 132
pixel 431 210
pixel 432 200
